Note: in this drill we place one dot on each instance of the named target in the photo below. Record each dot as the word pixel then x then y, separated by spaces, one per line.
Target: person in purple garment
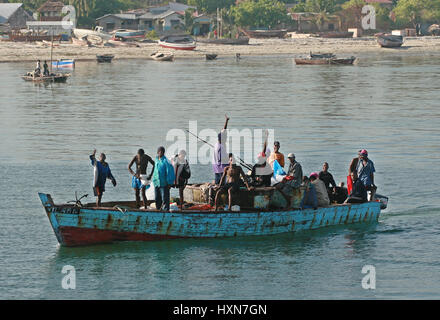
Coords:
pixel 220 158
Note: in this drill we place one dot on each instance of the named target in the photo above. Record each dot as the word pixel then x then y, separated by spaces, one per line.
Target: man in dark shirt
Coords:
pixel 328 180
pixel 359 192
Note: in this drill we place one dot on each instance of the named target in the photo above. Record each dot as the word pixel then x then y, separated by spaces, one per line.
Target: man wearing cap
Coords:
pixel 295 171
pixel 276 155
pixel 321 190
pixel 365 171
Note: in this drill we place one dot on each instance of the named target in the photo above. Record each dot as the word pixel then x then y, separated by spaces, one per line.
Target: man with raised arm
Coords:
pixel 102 172
pixel 220 157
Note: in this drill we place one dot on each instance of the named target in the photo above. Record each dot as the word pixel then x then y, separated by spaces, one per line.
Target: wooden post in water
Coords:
pixel 51 53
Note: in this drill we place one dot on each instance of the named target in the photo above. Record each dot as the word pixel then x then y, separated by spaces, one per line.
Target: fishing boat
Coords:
pixel 227 41
pixel 75 224
pixel 64 64
pixel 389 41
pixel 211 56
pixel 104 58
pixel 326 58
pixel 265 33
pixel 98 31
pixel 336 34
pixel 183 42
pixel 162 56
pixel 126 34
pixel 56 78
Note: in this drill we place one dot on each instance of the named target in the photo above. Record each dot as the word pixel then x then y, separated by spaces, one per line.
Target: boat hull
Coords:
pixel 261 34
pixel 55 79
pixel 239 41
pixel 177 46
pixel 64 64
pixel 332 61
pixel 74 226
pixel 390 41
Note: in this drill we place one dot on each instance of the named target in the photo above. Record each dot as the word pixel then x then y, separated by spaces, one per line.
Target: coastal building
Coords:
pixel 163 18
pixel 55 28
pixel 51 11
pixel 13 16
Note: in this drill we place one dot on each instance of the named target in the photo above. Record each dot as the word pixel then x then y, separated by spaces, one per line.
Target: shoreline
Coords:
pixel 27 52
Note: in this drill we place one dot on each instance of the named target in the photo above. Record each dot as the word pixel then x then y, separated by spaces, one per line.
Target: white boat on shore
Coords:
pixel 183 42
pixel 98 31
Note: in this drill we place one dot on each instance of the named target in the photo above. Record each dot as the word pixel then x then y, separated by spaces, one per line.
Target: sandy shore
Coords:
pixel 16 52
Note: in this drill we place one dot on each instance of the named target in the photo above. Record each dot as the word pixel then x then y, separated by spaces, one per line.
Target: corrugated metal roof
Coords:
pixel 7 10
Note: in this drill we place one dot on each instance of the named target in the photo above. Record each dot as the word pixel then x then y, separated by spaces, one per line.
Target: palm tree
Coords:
pixel 83 7
pixel 322 9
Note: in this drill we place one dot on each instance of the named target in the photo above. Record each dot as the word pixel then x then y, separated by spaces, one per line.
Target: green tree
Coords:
pixel 322 8
pixel 259 13
pixel 210 6
pixel 416 11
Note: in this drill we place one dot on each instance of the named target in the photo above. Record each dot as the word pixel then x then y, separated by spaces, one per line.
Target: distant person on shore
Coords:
pixel 233 175
pixel 326 177
pixel 321 190
pixel 359 192
pixel 309 199
pixel 182 173
pixel 163 180
pixel 220 156
pixel 140 180
pixel 276 155
pixel 102 172
pixel 365 171
pixel 45 69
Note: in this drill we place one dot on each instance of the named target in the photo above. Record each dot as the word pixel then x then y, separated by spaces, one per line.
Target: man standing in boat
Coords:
pixel 163 180
pixel 276 155
pixel 45 69
pixel 365 171
pixel 101 174
pixel 220 157
pixel 233 175
pixel 140 178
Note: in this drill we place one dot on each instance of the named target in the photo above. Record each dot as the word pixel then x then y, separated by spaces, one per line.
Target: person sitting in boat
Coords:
pixel 163 180
pixel 365 170
pixel 102 173
pixel 276 155
pixel 220 157
pixel 182 172
pixel 140 180
pixel 309 199
pixel 294 171
pixel 262 172
pixel 233 175
pixel 359 192
pixel 321 190
pixel 45 69
pixel 328 180
pixel 340 194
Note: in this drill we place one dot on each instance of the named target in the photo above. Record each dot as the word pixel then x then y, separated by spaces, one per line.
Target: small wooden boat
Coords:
pixel 129 34
pixel 211 56
pixel 183 42
pixel 336 34
pixel 64 64
pixel 389 41
pixel 238 41
pixel 104 58
pixel 20 37
pixel 78 225
pixel 56 78
pixel 326 58
pixel 265 33
pixel 162 56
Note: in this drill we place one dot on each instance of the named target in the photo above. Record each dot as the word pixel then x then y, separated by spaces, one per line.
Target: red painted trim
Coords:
pixel 72 236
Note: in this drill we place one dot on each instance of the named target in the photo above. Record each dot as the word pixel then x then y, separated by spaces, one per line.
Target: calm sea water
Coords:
pixel 388 104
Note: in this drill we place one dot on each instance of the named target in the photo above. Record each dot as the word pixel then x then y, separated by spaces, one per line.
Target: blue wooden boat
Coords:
pixel 77 224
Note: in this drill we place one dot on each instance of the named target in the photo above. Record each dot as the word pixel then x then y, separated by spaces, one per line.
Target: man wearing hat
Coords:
pixel 295 171
pixel 365 170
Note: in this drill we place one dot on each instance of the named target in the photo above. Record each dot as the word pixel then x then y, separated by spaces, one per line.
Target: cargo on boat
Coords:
pixel 262 212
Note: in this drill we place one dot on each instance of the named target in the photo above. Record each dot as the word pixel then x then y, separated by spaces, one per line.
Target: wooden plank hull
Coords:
pixel 332 61
pixel 74 226
pixel 390 41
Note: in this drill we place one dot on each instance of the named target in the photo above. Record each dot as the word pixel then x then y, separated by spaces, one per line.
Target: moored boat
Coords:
pixel 184 42
pixel 211 56
pixel 77 224
pixel 227 41
pixel 327 58
pixel 389 40
pixel 162 56
pixel 64 64
pixel 129 34
pixel 265 33
pixel 104 58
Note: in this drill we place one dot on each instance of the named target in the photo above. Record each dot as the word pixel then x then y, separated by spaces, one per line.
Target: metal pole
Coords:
pixel 51 53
